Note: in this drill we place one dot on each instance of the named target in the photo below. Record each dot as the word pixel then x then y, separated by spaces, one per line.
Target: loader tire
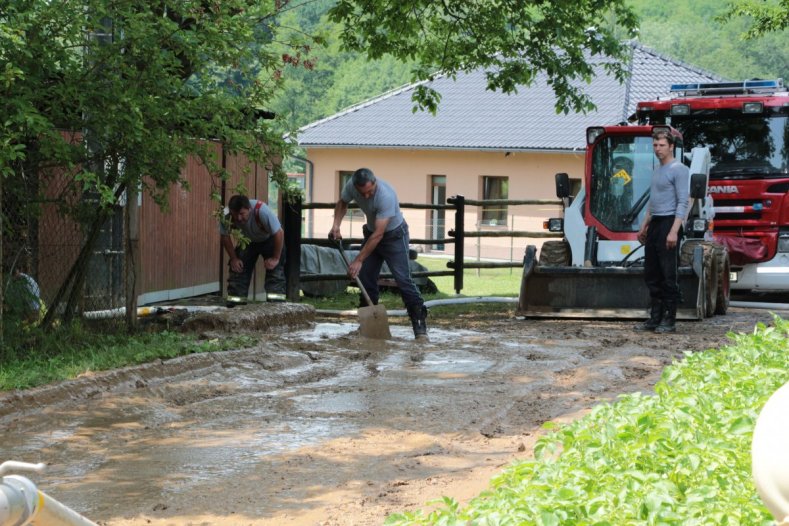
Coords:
pixel 711 271
pixel 555 253
pixel 724 285
pixel 713 284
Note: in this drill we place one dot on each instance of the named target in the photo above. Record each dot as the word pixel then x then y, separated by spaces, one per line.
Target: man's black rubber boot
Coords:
pixel 655 315
pixel 669 321
pixel 418 317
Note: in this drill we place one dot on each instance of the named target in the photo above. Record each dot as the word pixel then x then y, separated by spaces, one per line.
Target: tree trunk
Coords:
pixel 2 266
pixel 132 255
pixel 76 276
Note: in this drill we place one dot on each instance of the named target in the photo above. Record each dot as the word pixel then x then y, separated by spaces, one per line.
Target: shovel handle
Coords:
pixel 358 281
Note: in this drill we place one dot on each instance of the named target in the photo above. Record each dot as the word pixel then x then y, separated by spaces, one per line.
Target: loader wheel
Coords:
pixel 711 271
pixel 711 292
pixel 555 253
pixel 724 286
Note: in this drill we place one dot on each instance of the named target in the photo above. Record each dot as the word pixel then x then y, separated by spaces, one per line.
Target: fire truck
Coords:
pixel 745 126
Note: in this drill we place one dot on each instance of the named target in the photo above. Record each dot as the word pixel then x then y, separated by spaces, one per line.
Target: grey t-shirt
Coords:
pixel 382 205
pixel 252 228
pixel 670 190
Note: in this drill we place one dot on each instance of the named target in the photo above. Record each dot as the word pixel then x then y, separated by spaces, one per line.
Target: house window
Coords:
pixel 494 188
pixel 344 177
pixel 438 196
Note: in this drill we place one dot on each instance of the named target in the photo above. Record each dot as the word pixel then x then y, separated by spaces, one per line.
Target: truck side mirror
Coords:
pixel 562 185
pixel 698 186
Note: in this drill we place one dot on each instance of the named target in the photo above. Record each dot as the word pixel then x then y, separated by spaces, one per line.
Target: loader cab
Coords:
pixel 619 165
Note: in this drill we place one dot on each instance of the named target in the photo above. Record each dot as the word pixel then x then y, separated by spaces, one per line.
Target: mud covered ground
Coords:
pixel 320 427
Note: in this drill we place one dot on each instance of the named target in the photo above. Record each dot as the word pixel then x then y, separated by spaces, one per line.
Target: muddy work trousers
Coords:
pixel 660 263
pixel 238 282
pixel 393 249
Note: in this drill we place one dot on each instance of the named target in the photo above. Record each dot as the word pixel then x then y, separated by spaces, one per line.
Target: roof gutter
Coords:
pixel 498 149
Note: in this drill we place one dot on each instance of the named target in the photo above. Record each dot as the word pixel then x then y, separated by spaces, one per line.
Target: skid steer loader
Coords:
pixel 596 270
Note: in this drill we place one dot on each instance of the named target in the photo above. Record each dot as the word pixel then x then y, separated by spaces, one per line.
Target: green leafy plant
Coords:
pixel 678 457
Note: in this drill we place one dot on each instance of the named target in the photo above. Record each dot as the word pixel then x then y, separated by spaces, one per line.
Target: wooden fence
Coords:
pixel 292 222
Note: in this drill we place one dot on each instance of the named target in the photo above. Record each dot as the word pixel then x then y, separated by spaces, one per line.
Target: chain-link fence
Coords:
pixel 41 242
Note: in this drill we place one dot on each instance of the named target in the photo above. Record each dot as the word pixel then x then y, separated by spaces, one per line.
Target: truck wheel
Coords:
pixel 555 253
pixel 724 286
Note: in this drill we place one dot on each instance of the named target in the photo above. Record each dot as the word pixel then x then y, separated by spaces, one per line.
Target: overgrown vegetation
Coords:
pixel 679 457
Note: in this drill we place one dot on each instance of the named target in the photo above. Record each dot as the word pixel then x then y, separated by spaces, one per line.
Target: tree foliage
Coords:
pixel 342 77
pixel 765 16
pixel 117 94
pixel 513 40
pixel 702 34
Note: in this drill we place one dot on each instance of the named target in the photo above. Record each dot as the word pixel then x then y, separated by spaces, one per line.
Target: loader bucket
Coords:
pixel 601 292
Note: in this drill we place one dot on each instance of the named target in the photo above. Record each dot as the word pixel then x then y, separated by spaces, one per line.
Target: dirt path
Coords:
pixel 318 427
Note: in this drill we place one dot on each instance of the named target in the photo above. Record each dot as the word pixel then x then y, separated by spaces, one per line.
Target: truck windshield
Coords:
pixel 742 146
pixel 621 171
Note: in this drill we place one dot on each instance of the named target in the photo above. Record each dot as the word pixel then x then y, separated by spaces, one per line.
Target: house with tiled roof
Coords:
pixel 480 144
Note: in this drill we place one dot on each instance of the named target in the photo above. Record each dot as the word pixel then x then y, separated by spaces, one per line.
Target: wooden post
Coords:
pixel 460 224
pixel 291 224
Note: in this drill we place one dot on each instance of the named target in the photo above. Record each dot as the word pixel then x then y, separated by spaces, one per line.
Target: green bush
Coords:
pixel 679 457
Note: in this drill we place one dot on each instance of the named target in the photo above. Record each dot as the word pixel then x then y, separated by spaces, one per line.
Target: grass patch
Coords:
pixel 67 353
pixel 679 457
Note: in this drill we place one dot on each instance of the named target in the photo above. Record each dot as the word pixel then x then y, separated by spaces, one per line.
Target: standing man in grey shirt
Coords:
pixel 661 232
pixel 385 239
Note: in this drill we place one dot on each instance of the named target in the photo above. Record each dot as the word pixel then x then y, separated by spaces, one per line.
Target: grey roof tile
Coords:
pixel 472 117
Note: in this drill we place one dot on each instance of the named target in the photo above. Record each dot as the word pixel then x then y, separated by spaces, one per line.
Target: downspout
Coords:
pixel 310 178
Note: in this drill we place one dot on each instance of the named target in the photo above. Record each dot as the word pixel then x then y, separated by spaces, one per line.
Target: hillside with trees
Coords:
pixel 692 32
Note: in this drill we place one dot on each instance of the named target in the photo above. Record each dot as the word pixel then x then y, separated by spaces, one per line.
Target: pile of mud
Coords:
pixel 252 317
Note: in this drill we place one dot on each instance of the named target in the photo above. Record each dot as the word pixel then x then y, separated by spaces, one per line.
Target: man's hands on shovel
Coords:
pixel 354 266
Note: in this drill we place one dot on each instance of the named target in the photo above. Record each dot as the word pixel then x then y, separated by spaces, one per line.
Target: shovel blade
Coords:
pixel 373 322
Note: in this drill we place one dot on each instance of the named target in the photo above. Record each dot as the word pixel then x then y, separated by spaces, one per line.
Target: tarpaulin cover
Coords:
pixel 324 260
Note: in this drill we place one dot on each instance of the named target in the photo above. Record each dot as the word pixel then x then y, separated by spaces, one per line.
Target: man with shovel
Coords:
pixel 385 239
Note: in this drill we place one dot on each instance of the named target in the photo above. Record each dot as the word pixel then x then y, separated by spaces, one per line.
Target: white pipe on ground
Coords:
pixel 21 503
pixel 428 304
pixel 147 311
